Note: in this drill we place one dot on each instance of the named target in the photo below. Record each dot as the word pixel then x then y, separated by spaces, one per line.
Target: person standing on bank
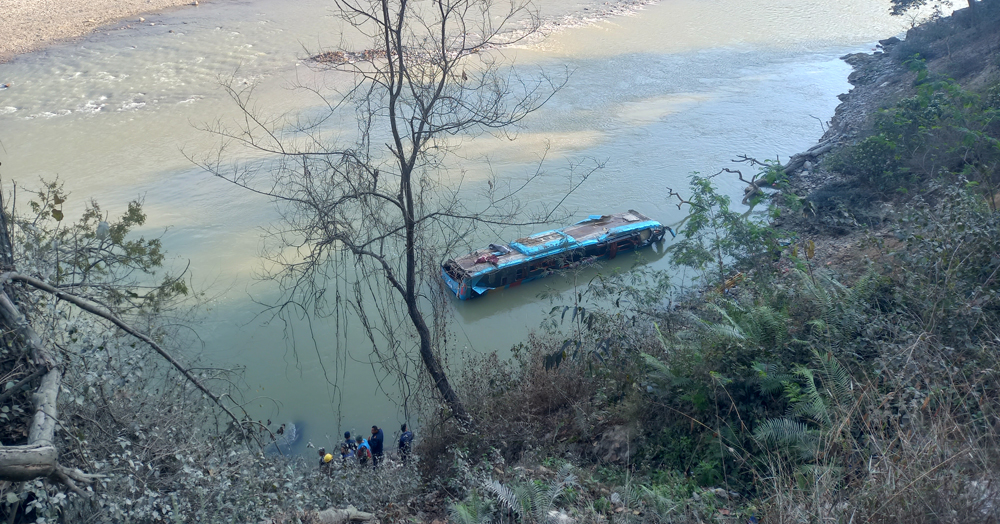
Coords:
pixel 364 451
pixel 405 444
pixel 349 442
pixel 376 444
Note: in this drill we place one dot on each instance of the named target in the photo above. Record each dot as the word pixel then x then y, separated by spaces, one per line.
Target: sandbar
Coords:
pixel 29 25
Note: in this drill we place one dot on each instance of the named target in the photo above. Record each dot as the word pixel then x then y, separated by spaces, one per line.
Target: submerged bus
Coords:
pixel 506 265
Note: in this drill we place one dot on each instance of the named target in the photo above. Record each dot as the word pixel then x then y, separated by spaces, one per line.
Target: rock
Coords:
pixel 889 42
pixel 613 445
pixel 721 493
pixel 342 516
pixel 560 517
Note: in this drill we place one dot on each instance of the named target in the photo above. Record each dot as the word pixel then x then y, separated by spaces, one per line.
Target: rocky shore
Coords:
pixel 953 48
pixel 29 25
pixel 839 215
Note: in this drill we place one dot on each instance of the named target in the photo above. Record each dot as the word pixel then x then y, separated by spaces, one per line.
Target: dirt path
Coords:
pixel 28 25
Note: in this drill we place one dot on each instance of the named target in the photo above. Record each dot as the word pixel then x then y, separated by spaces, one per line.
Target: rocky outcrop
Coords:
pixel 613 446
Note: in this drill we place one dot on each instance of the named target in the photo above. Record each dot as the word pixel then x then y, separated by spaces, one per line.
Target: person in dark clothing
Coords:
pixel 346 453
pixel 405 444
pixel 349 442
pixel 376 444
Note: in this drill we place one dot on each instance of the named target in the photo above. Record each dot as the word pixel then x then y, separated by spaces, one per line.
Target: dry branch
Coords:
pixel 95 310
pixel 39 457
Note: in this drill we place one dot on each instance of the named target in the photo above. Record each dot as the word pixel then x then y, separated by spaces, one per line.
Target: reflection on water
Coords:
pixel 677 87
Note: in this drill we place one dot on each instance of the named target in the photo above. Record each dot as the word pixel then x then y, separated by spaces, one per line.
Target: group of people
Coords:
pixel 360 450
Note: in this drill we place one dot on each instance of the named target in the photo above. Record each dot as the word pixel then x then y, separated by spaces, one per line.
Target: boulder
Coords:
pixel 343 516
pixel 613 445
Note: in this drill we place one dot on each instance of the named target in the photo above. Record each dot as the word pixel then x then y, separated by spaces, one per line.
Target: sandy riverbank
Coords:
pixel 27 25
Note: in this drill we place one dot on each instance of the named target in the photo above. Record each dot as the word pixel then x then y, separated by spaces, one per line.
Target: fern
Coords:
pixel 661 503
pixel 836 379
pixel 811 403
pixel 503 495
pixel 824 405
pixel 768 378
pixel 788 434
pixel 531 502
pixel 472 510
pixel 756 325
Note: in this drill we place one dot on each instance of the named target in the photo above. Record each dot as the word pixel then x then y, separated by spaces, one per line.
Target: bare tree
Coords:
pixel 367 220
pixel 901 7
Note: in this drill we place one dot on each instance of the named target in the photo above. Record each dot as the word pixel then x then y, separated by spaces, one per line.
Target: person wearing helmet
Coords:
pixel 325 462
pixel 328 464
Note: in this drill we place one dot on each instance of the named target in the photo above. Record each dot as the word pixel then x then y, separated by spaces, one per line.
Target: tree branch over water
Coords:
pixel 384 205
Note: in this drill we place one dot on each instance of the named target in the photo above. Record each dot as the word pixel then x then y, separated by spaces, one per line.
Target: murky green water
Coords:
pixel 676 87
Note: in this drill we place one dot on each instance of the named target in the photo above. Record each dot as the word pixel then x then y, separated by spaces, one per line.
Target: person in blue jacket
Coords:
pixel 376 444
pixel 405 443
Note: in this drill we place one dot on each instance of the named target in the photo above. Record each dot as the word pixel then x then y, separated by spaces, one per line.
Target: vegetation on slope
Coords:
pixel 840 367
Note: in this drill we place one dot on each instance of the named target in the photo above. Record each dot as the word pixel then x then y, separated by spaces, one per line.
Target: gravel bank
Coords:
pixel 27 25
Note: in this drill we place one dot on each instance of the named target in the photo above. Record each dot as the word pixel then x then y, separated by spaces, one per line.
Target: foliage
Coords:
pixel 948 265
pixel 716 240
pixel 942 132
pixel 901 7
pixel 95 256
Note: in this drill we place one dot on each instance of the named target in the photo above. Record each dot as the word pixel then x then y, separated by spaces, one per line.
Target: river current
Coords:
pixel 665 90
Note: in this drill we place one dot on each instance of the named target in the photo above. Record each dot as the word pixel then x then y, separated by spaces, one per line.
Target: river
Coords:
pixel 667 90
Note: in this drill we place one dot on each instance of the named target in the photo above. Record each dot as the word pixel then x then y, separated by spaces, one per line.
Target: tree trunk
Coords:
pixel 22 463
pixel 434 366
pixel 427 355
pixel 39 457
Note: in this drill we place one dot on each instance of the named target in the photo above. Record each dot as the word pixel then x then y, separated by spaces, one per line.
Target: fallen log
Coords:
pixel 796 161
